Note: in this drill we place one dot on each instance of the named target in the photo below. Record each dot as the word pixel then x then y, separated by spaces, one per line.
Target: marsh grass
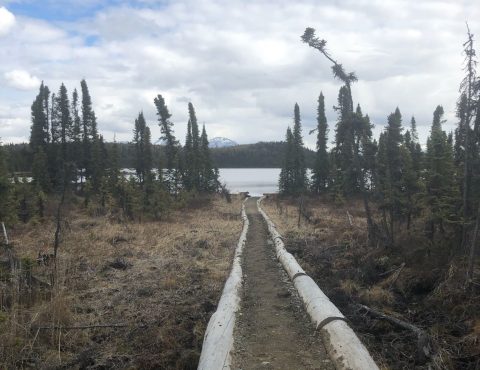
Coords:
pixel 161 280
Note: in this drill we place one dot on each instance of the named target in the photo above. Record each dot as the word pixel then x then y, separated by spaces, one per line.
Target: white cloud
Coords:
pixel 21 79
pixel 241 63
pixel 7 21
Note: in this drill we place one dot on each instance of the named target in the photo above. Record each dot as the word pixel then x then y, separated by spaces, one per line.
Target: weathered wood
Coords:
pixel 5 234
pixel 218 340
pixel 342 344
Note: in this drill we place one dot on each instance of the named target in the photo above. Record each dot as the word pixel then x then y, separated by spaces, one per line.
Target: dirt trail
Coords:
pixel 273 330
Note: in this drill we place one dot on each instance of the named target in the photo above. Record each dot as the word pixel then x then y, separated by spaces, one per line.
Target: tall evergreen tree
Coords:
pixel 300 169
pixel 172 175
pixel 143 148
pixel 195 133
pixel 7 213
pixel 39 134
pixel 89 130
pixel 350 147
pixel 469 89
pixel 40 170
pixel 189 160
pixel 393 161
pixel 286 180
pixel 208 172
pixel 321 167
pixel 442 194
pixel 76 152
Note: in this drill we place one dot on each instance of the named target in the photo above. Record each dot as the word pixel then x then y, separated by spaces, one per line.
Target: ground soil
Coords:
pixel 273 330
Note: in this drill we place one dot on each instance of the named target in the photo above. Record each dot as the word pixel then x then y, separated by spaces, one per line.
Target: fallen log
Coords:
pixel 424 350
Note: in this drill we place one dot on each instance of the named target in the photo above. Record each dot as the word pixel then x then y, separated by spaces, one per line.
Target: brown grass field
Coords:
pixel 152 285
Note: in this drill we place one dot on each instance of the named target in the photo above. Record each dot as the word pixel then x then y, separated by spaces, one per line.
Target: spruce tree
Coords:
pixel 321 167
pixel 299 167
pixel 76 152
pixel 40 170
pixel 393 162
pixel 114 173
pixel 208 172
pixel 470 91
pixel 89 131
pixel 195 175
pixel 143 148
pixel 189 160
pixel 171 175
pixel 286 180
pixel 7 213
pixel 442 194
pixel 39 134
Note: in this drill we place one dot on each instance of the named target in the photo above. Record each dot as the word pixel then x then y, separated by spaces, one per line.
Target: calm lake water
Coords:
pixel 254 180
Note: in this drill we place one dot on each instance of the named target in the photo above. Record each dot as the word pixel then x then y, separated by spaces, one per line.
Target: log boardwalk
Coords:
pixel 284 320
pixel 272 330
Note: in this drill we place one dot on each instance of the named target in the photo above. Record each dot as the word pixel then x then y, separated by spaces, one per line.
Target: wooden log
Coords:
pixel 423 341
pixel 343 346
pixel 218 340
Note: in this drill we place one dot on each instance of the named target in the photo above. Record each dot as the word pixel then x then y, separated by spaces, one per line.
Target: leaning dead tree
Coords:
pixel 348 78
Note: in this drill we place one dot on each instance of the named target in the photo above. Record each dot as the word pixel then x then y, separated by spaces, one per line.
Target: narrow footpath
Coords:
pixel 273 331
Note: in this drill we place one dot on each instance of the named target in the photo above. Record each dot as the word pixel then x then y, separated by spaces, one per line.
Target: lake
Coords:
pixel 254 180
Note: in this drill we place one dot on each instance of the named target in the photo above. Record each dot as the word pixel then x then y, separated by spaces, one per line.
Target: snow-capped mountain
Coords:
pixel 221 142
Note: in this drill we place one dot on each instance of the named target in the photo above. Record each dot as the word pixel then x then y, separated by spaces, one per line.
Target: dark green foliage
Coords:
pixel 89 132
pixel 7 214
pixel 143 148
pixel 285 184
pixel 40 171
pixel 192 150
pixel 39 135
pixel 293 175
pixel 208 173
pixel 442 194
pixel 171 174
pixel 75 149
pixel 189 160
pixel 321 168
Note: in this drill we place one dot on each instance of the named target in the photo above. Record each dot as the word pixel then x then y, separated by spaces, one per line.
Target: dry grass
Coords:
pixel 161 279
pixel 377 296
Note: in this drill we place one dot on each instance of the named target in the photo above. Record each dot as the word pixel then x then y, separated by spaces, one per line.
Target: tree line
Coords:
pixel 438 184
pixel 68 154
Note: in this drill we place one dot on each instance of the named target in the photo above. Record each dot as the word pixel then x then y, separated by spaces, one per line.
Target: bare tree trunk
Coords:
pixel 466 174
pixel 473 249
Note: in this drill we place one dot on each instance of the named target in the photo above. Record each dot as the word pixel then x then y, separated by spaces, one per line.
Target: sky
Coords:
pixel 240 62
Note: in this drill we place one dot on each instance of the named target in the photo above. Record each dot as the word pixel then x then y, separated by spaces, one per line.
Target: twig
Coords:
pixel 79 327
pixel 423 341
pixel 396 275
pixel 5 234
pixel 350 219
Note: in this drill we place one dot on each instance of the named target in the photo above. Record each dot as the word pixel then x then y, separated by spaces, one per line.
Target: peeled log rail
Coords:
pixel 341 342
pixel 218 340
